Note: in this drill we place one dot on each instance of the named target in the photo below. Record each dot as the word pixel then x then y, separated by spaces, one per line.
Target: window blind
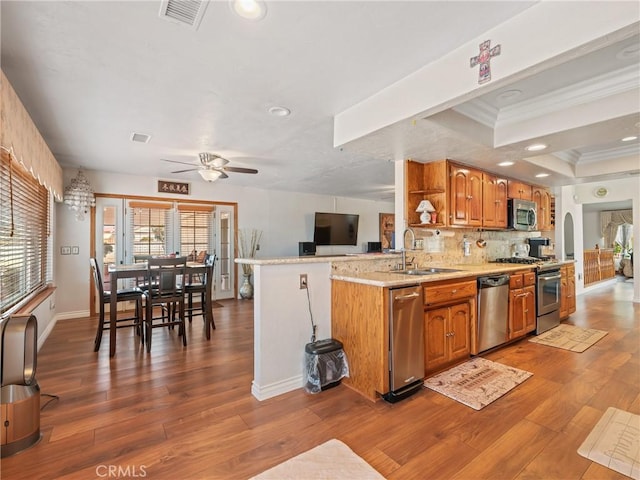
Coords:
pixel 195 231
pixel 150 229
pixel 24 232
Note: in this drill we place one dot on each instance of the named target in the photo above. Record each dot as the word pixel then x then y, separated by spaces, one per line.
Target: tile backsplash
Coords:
pixel 446 249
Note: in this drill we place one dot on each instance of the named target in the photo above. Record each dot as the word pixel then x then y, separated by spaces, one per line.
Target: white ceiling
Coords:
pixel 93 72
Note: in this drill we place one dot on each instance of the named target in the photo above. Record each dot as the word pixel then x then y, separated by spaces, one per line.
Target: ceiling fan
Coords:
pixel 212 167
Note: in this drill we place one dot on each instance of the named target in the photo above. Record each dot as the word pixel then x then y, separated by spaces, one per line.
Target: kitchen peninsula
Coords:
pixel 347 298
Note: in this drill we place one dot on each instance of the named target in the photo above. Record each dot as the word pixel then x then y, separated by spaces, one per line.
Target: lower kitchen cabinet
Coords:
pixel 567 290
pixel 450 316
pixel 447 335
pixel 522 311
pixel 522 304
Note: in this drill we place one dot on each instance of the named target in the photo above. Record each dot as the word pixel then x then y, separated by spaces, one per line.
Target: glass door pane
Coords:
pixel 224 274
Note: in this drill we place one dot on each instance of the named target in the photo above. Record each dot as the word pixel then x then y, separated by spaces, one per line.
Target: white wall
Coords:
pixel 285 219
pixel 571 200
pixel 591 231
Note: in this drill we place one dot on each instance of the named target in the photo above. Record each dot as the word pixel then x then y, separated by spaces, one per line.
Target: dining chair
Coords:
pixel 204 287
pixel 165 277
pixel 122 295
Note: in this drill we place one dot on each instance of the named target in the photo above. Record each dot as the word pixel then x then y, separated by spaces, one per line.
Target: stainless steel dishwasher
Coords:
pixel 493 311
pixel 406 342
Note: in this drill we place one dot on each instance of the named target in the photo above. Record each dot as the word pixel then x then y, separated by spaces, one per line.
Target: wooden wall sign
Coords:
pixel 174 187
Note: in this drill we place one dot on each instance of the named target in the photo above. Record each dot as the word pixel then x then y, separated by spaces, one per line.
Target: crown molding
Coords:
pixel 609 153
pixel 480 111
pixel 581 93
pixel 569 156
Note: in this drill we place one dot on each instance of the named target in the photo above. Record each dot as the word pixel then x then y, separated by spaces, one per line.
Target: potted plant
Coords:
pixel 248 241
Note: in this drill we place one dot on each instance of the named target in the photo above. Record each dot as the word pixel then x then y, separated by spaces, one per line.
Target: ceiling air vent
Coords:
pixel 140 137
pixel 186 12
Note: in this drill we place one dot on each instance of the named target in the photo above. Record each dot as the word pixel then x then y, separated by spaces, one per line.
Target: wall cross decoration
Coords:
pixel 483 59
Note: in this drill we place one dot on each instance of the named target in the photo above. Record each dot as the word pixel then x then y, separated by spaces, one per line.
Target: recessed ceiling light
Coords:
pixel 249 9
pixel 505 164
pixel 629 51
pixel 536 147
pixel 629 139
pixel 279 111
pixel 509 94
pixel 542 175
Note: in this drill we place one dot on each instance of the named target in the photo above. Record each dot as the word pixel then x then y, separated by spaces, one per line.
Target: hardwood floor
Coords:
pixel 187 413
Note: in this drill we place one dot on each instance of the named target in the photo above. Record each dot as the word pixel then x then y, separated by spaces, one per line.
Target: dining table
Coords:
pixel 137 270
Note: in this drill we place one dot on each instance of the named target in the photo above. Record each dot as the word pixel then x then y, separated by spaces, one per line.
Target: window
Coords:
pixel 195 230
pixel 130 229
pixel 24 234
pixel 151 229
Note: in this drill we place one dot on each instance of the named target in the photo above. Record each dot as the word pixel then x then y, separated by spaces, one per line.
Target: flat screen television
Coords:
pixel 335 229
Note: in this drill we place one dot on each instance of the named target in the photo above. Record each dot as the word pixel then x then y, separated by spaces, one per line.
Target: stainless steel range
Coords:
pixel 547 297
pixel 547 290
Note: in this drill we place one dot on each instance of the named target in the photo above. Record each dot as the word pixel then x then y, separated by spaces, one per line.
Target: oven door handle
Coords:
pixel 551 277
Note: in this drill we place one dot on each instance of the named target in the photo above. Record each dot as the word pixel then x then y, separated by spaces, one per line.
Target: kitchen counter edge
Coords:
pixel 392 280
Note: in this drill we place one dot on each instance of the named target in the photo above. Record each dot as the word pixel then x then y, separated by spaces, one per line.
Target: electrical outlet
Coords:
pixel 303 281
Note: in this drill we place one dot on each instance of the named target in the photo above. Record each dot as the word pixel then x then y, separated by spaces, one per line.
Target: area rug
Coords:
pixel 569 337
pixel 614 442
pixel 330 460
pixel 478 382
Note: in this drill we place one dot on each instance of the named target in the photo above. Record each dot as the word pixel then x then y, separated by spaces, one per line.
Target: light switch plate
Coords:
pixel 65 250
pixel 75 250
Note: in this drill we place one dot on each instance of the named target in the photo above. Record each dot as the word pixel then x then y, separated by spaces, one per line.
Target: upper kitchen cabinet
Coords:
pixel 462 196
pixel 542 197
pixel 465 196
pixel 519 190
pixel 426 181
pixel 494 201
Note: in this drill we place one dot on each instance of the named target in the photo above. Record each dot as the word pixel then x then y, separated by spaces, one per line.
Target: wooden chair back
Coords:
pixel 166 275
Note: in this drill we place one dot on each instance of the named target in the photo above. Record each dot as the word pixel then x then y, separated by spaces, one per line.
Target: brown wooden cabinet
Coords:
pixel 542 197
pixel 426 181
pixel 522 304
pixel 359 319
pixel 449 319
pixel 465 196
pixel 446 336
pixel 567 290
pixel 519 190
pixel 494 201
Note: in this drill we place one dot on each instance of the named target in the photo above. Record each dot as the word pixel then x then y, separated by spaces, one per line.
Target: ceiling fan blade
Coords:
pixel 177 161
pixel 186 170
pixel 240 170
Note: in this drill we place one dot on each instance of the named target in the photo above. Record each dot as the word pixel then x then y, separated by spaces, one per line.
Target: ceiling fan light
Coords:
pixel 210 175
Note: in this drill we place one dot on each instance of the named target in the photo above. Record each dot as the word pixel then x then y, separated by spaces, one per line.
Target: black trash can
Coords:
pixel 325 365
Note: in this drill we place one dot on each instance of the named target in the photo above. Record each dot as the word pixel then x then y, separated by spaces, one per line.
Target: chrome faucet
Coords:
pixel 404 248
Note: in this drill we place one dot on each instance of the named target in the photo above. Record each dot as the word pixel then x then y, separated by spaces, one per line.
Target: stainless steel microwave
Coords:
pixel 522 214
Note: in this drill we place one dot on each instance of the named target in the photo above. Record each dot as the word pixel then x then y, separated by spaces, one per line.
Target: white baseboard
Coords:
pixel 72 315
pixel 275 389
pixel 45 333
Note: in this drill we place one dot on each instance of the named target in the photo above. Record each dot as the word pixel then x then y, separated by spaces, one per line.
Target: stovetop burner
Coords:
pixel 522 260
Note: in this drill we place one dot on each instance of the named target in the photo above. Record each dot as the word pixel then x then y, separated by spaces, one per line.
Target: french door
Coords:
pixel 126 230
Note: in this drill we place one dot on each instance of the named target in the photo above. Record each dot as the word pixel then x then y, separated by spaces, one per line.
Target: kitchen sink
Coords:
pixel 426 271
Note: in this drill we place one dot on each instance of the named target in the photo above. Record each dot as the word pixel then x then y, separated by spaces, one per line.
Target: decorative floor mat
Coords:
pixel 614 442
pixel 478 382
pixel 569 337
pixel 330 460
